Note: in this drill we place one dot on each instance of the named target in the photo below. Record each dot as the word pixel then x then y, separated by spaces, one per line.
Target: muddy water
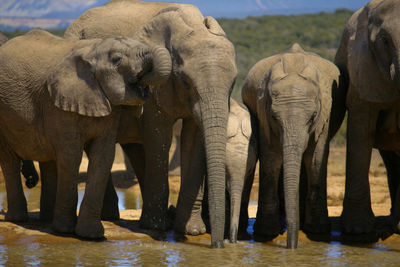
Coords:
pixel 193 252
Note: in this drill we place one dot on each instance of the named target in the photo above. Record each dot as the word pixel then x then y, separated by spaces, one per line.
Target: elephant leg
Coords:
pixel 157 135
pixel 48 174
pixel 244 204
pixel 101 152
pixel 268 212
pixel 110 210
pixel 316 210
pixel 136 155
pixel 68 162
pixel 188 213
pixel 30 173
pixel 357 216
pixel 16 202
pixel 392 164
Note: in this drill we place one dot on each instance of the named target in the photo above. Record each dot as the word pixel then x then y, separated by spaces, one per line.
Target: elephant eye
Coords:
pixel 312 119
pixel 116 60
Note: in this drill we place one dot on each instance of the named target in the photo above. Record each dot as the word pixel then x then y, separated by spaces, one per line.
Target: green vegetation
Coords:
pixel 258 37
pixel 19 32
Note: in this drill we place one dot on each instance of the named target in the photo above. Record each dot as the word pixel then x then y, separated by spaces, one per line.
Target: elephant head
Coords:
pixel 98 74
pixel 202 79
pixel 294 110
pixel 378 54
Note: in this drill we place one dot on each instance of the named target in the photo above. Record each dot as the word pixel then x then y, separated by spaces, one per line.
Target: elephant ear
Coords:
pixel 246 127
pixel 165 28
pixel 73 87
pixel 262 110
pixel 367 77
pixel 232 126
pixel 213 26
pixel 327 83
pixel 277 71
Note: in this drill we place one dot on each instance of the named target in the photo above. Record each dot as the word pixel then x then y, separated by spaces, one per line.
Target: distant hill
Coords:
pixel 55 14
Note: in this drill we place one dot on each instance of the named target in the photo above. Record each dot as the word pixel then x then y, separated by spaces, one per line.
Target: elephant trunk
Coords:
pixel 214 116
pixel 158 60
pixel 235 191
pixel 292 158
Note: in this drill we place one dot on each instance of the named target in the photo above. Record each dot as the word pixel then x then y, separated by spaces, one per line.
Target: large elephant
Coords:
pixel 369 59
pixel 59 97
pixel 204 71
pixel 290 98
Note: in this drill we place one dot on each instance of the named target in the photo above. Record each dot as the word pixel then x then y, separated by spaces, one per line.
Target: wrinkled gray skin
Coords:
pixel 289 97
pixel 59 97
pixel 27 169
pixel 3 38
pixel 369 58
pixel 203 74
pixel 241 159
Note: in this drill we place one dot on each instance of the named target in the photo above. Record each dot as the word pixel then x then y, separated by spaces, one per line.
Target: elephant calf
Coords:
pixel 292 98
pixel 241 159
pixel 59 97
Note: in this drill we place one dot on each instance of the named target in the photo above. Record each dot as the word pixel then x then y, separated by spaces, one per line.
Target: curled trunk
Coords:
pixel 160 63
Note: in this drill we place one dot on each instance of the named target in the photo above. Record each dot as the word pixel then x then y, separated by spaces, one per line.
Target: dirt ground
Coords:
pixel 127 227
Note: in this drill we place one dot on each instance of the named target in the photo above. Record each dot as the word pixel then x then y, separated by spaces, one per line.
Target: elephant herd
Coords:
pixel 125 72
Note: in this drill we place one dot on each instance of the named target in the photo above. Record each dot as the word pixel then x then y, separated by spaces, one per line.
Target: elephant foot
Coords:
pixel 92 229
pixel 267 230
pixel 217 244
pixel 194 226
pixel 317 225
pixel 17 215
pixel 64 225
pixel 357 221
pixel 155 222
pixel 317 228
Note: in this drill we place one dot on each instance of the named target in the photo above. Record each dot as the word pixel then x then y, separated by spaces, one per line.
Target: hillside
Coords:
pixel 56 14
pixel 71 9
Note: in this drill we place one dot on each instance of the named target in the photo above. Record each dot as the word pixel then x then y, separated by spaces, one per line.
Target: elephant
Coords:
pixel 27 169
pixel 368 58
pixel 60 97
pixel 295 109
pixel 204 72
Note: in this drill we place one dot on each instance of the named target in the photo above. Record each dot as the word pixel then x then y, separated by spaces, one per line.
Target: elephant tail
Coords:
pixel 30 174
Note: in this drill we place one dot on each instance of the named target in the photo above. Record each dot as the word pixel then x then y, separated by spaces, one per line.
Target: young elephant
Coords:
pixel 59 97
pixel 290 97
pixel 241 159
